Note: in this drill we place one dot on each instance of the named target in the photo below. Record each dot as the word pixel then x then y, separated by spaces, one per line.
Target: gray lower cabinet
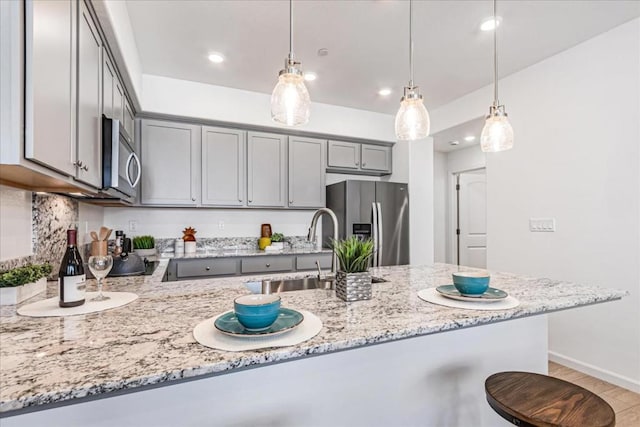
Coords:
pixel 266 170
pixel 89 100
pixel 208 267
pixel 345 155
pixel 376 158
pixel 266 264
pixel 308 262
pixel 50 86
pixel 171 158
pixel 307 172
pixel 223 167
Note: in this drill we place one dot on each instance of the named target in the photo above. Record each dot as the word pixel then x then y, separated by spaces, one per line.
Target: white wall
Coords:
pixel 440 200
pixel 576 159
pixel 90 218
pixel 421 201
pixel 201 100
pixel 15 223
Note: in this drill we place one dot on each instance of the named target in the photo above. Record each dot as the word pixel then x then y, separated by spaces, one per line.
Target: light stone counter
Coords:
pixel 150 342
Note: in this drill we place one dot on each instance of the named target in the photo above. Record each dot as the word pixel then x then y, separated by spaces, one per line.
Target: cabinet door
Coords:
pixel 266 162
pixel 307 172
pixel 344 155
pixel 50 84
pixel 129 122
pixel 170 163
pixel 118 101
pixel 89 100
pixel 376 157
pixel 108 85
pixel 223 167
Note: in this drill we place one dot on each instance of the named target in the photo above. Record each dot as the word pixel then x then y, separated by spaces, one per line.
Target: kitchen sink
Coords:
pixel 288 285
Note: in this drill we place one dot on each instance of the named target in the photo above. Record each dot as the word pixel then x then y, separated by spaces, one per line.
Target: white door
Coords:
pixel 472 218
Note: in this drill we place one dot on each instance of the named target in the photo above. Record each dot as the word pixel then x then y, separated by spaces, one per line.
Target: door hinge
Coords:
pixel 457 187
pixel 458 231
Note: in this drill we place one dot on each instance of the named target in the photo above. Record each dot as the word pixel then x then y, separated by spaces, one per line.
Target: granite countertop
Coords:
pixel 226 253
pixel 150 341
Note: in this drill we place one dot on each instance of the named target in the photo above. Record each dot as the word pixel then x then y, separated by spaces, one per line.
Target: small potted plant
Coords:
pixel 22 283
pixel 277 241
pixel 145 247
pixel 353 279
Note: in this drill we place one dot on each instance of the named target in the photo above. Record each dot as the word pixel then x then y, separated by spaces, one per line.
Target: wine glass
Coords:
pixel 100 266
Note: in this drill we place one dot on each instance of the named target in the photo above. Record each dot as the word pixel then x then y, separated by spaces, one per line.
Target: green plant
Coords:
pixel 144 242
pixel 353 254
pixel 277 237
pixel 23 275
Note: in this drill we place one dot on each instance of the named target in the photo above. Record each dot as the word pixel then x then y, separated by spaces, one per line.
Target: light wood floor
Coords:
pixel 625 403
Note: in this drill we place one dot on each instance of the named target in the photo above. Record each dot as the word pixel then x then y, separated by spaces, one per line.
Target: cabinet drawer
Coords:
pixel 263 264
pixel 205 267
pixel 308 262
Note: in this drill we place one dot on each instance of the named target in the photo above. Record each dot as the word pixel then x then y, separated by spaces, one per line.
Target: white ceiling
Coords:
pixel 367 42
pixel 442 140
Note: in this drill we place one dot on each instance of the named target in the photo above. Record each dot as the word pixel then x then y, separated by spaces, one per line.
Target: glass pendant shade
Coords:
pixel 497 134
pixel 290 100
pixel 412 120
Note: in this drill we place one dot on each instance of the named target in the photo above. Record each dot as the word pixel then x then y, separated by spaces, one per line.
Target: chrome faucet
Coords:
pixel 312 233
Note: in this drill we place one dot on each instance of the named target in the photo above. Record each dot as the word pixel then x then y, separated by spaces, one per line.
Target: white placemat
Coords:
pixel 433 296
pixel 49 307
pixel 207 334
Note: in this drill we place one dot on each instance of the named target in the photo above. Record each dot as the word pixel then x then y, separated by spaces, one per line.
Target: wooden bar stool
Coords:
pixel 534 400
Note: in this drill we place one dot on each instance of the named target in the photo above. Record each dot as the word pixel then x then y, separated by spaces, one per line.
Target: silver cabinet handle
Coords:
pixel 239 200
pixel 250 201
pixel 193 199
pixel 357 163
pixel 207 268
pixel 364 164
pixel 290 202
pixel 268 265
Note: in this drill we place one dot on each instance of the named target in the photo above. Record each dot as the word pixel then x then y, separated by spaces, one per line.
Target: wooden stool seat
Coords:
pixel 528 399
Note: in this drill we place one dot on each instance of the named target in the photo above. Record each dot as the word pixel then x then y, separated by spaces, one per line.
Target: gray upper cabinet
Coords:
pixel 109 78
pixel 345 155
pixel 307 172
pixel 50 88
pixel 376 157
pixel 223 167
pixel 171 159
pixel 89 100
pixel 357 158
pixel 266 173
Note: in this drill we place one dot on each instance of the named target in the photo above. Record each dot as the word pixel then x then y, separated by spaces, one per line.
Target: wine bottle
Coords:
pixel 71 277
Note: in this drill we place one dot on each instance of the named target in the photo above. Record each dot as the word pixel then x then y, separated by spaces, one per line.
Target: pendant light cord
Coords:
pixel 291 29
pixel 411 43
pixel 495 55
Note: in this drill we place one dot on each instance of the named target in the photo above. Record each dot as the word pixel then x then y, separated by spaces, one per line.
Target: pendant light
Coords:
pixel 497 134
pixel 290 99
pixel 412 120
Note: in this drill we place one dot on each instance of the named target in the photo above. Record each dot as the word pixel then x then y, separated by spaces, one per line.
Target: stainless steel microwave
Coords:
pixel 121 168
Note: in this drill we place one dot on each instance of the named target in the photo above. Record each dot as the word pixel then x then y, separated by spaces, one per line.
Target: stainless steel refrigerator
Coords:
pixel 379 210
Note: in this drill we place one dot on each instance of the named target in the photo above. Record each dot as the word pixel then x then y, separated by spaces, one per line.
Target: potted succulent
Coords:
pixel 145 247
pixel 22 283
pixel 277 241
pixel 353 279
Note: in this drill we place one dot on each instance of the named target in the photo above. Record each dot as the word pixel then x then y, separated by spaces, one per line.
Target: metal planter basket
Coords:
pixel 353 286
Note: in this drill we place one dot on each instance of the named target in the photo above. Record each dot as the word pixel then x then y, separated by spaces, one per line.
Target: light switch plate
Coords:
pixel 542 225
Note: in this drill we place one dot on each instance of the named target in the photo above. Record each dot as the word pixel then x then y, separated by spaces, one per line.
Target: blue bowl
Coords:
pixel 257 312
pixel 471 283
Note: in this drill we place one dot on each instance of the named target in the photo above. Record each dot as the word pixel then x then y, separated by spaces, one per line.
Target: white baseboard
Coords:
pixel 594 371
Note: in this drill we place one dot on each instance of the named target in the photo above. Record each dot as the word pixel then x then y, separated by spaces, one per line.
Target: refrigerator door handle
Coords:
pixel 380 236
pixel 376 247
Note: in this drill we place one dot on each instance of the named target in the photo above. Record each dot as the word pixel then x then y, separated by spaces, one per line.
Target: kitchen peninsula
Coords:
pixel 429 369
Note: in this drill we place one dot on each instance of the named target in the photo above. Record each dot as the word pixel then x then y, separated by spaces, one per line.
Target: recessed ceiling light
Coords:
pixel 216 58
pixel 469 138
pixel 384 91
pixel 310 76
pixel 323 51
pixel 456 142
pixel 490 24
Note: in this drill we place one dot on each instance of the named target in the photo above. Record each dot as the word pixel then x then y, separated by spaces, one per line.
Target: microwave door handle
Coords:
pixel 127 168
pixel 380 236
pixel 374 213
pixel 137 180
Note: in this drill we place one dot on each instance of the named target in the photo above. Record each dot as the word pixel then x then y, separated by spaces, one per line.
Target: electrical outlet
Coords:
pixel 220 225
pixel 133 225
pixel 542 225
